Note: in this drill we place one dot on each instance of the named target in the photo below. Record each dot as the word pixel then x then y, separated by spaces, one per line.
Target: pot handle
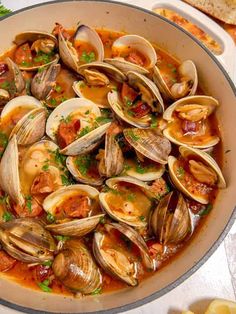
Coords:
pixel 227 58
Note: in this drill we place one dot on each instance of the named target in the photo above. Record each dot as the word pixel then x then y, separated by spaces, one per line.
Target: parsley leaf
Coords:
pixel 4 10
pixel 180 172
pixel 45 167
pixel 50 218
pixel 29 203
pixel 57 88
pixel 47 263
pixel 131 134
pixel 62 238
pixel 88 57
pixel 206 210
pixel 65 180
pixel 103 120
pixel 84 131
pixel 97 291
pixel 142 218
pixel 140 169
pixel 7 216
pixel 83 163
pixel 44 286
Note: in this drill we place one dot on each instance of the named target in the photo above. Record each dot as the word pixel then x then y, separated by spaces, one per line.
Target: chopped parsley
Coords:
pixel 53 101
pixel 102 220
pixel 62 238
pixel 45 167
pixel 47 263
pixel 103 120
pixel 131 134
pixel 66 119
pixel 127 167
pixel 83 163
pixel 43 58
pixel 180 172
pixel 84 131
pixel 26 64
pixel 41 69
pixel 7 216
pixel 3 142
pixel 131 197
pixel 87 57
pixel 44 286
pixel 9 86
pixel 140 169
pixel 206 210
pixel 27 86
pixel 50 218
pixel 97 291
pixel 58 88
pixel 154 122
pixel 29 203
pixel 58 157
pixel 142 218
pixel 4 10
pixel 65 180
pixel 128 102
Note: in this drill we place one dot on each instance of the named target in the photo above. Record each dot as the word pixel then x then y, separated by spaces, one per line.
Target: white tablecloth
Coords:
pixel 215 279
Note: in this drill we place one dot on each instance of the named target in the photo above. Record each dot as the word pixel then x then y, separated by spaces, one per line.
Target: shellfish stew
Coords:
pixel 110 159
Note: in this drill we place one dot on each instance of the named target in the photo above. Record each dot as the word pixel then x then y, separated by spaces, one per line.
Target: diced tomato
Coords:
pixel 114 129
pixel 128 93
pixel 3 68
pixel 58 28
pixel 155 249
pixel 195 207
pixel 42 273
pixel 141 109
pixel 6 261
pixel 77 207
pixel 42 184
pixel 67 132
pixel 30 209
pixel 190 127
pixel 135 58
pixel 23 54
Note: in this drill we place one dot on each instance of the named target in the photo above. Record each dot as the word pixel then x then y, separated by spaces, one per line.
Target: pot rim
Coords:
pixel 230 222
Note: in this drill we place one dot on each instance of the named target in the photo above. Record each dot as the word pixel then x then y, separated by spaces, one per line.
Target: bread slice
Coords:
pixel 224 10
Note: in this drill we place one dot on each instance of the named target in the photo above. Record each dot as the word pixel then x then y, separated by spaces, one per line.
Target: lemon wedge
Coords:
pixel 221 307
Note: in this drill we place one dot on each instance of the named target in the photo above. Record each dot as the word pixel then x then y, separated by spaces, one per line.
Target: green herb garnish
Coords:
pixel 43 57
pixel 66 120
pixel 87 57
pixel 45 167
pixel 132 135
pixel 142 218
pixel 57 88
pixel 154 122
pixel 83 163
pixel 3 142
pixel 45 285
pixel 62 238
pixel 29 203
pixel 65 180
pixel 7 216
pixel 53 101
pixel 50 218
pixel 4 10
pixel 140 169
pixel 102 220
pixel 47 263
pixel 84 131
pixel 131 197
pixel 97 291
pixel 103 120
pixel 180 172
pixel 128 102
pixel 206 210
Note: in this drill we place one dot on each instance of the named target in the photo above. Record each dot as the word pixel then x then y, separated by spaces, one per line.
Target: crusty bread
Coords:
pixel 224 10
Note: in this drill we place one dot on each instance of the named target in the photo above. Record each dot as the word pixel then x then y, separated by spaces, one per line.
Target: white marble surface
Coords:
pixel 215 279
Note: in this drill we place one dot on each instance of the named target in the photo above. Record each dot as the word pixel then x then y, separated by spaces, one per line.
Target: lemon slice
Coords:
pixel 221 307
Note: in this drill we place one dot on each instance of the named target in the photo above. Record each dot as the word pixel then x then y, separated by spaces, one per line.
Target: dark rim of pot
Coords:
pixel 227 228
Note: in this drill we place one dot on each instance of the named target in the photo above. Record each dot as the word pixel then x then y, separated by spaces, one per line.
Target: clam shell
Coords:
pixel 206 159
pixel 68 53
pixel 186 69
pixel 149 175
pixel 74 266
pixel 150 143
pixel 138 43
pixel 168 115
pixel 112 269
pixel 55 198
pixel 32 36
pixel 171 227
pixel 79 176
pixel 76 227
pixel 111 183
pixel 9 172
pixel 26 240
pixel 17 75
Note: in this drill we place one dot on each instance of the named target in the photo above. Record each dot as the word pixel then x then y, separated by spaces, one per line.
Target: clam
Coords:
pixel 112 160
pixel 149 143
pixel 113 256
pixel 171 220
pixel 79 114
pixel 85 47
pixel 44 81
pixel 127 200
pixel 74 266
pixel 138 101
pixel 133 53
pixel 100 78
pixel 185 85
pixel 29 124
pixel 4 97
pixel 19 82
pixel 41 161
pixel 27 241
pixel 75 209
pixel 188 122
pixel 9 172
pixel 42 49
pixel 84 169
pixel 195 174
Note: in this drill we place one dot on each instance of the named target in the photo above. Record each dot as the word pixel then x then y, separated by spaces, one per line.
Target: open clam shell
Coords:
pixel 69 54
pixel 129 43
pixel 170 220
pixel 128 201
pixel 187 85
pixel 150 143
pixel 26 240
pixel 35 37
pixel 74 266
pixel 205 169
pixel 75 165
pixel 78 108
pixel 193 109
pixel 19 81
pixel 102 78
pixel 9 172
pixel 73 227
